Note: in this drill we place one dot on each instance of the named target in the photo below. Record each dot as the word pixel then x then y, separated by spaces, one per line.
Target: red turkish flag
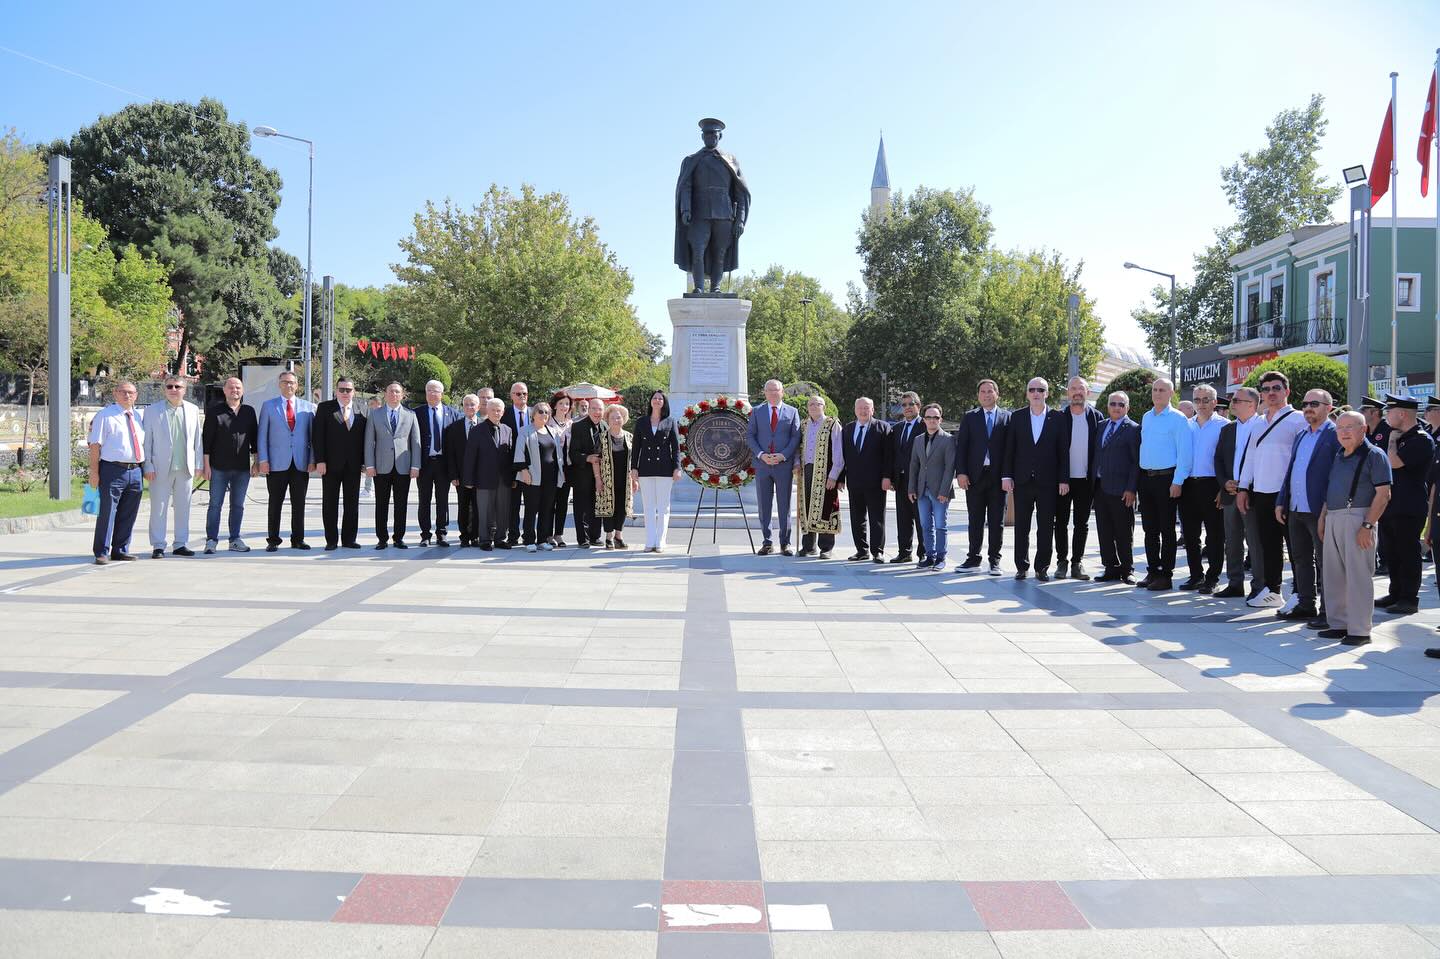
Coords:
pixel 1427 138
pixel 1384 156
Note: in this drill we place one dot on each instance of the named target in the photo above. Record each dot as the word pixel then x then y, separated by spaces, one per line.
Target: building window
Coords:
pixel 1252 312
pixel 1325 295
pixel 1277 302
pixel 1407 293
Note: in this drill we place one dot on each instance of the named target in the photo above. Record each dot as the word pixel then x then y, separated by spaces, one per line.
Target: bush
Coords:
pixel 424 368
pixel 637 397
pixel 1306 372
pixel 1135 384
pixel 800 401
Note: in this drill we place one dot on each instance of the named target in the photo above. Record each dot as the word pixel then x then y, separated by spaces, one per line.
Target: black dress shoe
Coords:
pixel 878 559
pixel 971 562
pixel 401 544
pixel 1319 622
pixel 272 548
pixel 300 545
pixel 1043 575
pixel 900 558
pixel 1109 576
pixel 351 545
pixel 102 560
pixel 505 545
pixel 1328 633
pixel 1078 572
pixel 824 554
pixel 183 551
pixel 1299 611
pixel 1403 609
pixel 487 547
pixel 1433 652
pixel 1127 579
pixel 381 545
pixel 1351 640
pixel 1385 602
pixel 331 547
pixel 156 553
pixel 1233 591
pixel 924 563
pixel 786 551
pixel 765 550
pixel 123 558
pixel 440 541
pixel 857 557
pixel 1160 585
pixel 1059 570
pixel 424 541
pixel 1208 587
pixel 805 551
pixel 1194 582
pixel 1022 574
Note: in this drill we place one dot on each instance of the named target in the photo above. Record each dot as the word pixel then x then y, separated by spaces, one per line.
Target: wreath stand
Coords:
pixel 715 509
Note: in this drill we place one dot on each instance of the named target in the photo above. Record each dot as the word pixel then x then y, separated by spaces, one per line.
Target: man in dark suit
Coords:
pixel 587 439
pixel 1037 461
pixel 866 446
pixel 979 457
pixel 517 417
pixel 1115 472
pixel 338 438
pixel 1084 421
pixel 433 417
pixel 1235 435
pixel 489 458
pixel 457 440
pixel 902 438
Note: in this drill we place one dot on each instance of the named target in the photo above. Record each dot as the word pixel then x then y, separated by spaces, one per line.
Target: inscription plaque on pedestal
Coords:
pixel 709 356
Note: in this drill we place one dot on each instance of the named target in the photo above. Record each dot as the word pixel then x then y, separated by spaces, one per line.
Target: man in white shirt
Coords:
pixel 1267 462
pixel 117 450
pixel 174 456
pixel 1200 509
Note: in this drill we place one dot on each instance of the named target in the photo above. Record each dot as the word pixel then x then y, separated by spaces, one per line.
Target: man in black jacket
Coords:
pixel 1084 421
pixel 587 438
pixel 902 437
pixel 457 440
pixel 866 447
pixel 433 418
pixel 338 439
pixel 1115 471
pixel 979 457
pixel 1235 435
pixel 1037 460
pixel 489 462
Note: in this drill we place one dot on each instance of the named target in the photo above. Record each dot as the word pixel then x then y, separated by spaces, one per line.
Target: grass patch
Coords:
pixel 36 501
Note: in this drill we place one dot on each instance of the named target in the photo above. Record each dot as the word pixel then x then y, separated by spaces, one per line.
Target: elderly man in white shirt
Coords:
pixel 117 452
pixel 1267 462
pixel 174 456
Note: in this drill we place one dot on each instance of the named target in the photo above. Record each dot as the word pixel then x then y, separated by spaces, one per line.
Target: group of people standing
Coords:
pixel 514 468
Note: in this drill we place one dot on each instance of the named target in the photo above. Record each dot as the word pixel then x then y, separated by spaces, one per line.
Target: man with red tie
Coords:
pixel 117 445
pixel 286 460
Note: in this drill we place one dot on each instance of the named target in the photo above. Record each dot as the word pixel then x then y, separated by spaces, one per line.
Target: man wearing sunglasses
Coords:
pixel 174 456
pixel 1229 460
pixel 979 455
pixel 339 442
pixel 1302 497
pixel 1037 465
pixel 1200 509
pixel 1116 473
pixel 902 439
pixel 1267 460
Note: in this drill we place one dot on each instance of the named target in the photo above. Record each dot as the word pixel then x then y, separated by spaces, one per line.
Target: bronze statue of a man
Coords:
pixel 712 204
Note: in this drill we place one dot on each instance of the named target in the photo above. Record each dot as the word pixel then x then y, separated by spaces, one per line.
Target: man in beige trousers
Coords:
pixel 1357 495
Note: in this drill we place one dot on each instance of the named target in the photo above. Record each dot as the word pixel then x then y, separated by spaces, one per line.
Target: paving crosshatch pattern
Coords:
pixel 619 755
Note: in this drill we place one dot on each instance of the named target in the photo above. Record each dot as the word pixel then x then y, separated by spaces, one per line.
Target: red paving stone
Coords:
pixel 399 900
pixel 703 893
pixel 1024 905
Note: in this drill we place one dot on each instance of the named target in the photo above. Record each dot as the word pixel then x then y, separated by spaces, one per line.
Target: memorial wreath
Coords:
pixel 719 465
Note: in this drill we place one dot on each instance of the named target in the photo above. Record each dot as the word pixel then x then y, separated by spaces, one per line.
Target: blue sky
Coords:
pixel 1097 130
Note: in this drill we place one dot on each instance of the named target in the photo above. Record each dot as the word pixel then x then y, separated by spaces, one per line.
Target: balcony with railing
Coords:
pixel 1324 333
pixel 1257 334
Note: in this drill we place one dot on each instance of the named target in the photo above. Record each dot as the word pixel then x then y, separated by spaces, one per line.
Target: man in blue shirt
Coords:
pixel 1200 508
pixel 1299 504
pixel 1165 462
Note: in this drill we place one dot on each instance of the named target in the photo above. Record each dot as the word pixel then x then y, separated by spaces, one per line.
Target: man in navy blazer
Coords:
pixel 865 447
pixel 285 460
pixel 1298 505
pixel 517 417
pixel 434 417
pixel 1115 472
pixel 774 436
pixel 1084 421
pixel 1037 467
pixel 979 457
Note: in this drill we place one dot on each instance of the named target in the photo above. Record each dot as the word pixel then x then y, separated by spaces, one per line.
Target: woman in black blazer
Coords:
pixel 657 467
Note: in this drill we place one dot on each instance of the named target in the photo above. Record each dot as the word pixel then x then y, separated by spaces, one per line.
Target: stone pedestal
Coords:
pixel 707 349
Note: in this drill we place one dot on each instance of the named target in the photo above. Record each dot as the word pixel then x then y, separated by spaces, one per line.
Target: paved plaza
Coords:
pixel 600 754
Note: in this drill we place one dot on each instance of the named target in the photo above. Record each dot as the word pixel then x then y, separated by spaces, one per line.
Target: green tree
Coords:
pixel 518 288
pixel 1275 190
pixel 1306 372
pixel 785 338
pixel 424 368
pixel 1136 385
pixel 178 180
pixel 948 311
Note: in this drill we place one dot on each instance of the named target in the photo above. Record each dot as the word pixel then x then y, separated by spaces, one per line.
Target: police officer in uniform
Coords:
pixel 1377 431
pixel 1410 450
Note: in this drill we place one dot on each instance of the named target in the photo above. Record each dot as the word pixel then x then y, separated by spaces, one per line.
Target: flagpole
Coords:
pixel 1394 250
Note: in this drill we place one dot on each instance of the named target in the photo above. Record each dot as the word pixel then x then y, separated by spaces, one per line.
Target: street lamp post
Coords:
pixel 805 302
pixel 1174 336
pixel 263 131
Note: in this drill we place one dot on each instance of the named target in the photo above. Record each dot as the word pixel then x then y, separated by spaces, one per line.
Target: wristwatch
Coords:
pixel 1367 525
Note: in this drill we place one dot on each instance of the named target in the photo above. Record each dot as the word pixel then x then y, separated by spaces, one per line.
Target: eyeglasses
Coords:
pixel 1273 388
pixel 1309 404
pixel 174 386
pixel 907 403
pixel 931 416
pixel 1037 389
pixel 1120 404
pixel 519 393
pixel 344 389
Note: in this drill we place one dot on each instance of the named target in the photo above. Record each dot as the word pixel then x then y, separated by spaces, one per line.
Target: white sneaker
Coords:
pixel 530 548
pixel 1266 600
pixel 995 569
pixel 547 547
pixel 210 545
pixel 238 546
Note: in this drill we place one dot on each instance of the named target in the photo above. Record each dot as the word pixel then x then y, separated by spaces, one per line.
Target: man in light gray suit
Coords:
pixel 174 456
pixel 774 436
pixel 932 472
pixel 392 459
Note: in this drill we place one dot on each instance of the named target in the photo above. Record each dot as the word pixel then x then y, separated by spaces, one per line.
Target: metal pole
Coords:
pixel 1358 326
pixel 1174 340
pixel 327 345
pixel 1394 249
pixel 1072 313
pixel 57 392
pixel 309 235
pixel 1436 289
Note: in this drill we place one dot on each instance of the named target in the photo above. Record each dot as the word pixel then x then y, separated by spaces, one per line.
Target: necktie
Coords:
pixel 774 425
pixel 905 437
pixel 392 423
pixel 346 413
pixel 1109 432
pixel 435 430
pixel 928 438
pixel 290 413
pixel 468 424
pixel 134 437
pixel 989 423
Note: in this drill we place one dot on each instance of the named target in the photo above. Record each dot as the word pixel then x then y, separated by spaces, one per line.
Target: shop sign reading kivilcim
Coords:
pixel 1205 364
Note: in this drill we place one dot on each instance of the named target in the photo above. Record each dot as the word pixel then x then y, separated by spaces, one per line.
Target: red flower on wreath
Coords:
pixel 684 430
pixel 704 405
pixel 685 461
pixel 750 470
pixel 735 478
pixel 721 402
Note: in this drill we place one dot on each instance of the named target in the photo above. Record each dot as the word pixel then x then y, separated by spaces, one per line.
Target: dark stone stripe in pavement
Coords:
pixel 883 906
pixel 556 904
